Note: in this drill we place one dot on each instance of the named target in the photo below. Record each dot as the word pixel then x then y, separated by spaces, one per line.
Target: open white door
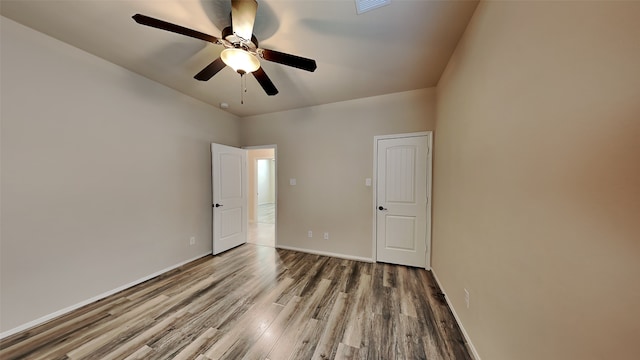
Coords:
pixel 402 195
pixel 229 181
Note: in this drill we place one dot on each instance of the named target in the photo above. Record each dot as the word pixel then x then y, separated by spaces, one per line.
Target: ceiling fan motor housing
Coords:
pixel 237 42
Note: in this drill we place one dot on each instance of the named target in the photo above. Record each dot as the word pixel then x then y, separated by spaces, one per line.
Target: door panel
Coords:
pixel 229 181
pixel 402 200
pixel 231 165
pixel 400 184
pixel 230 222
pixel 400 233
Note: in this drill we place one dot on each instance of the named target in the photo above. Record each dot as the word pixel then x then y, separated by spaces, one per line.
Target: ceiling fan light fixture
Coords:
pixel 240 60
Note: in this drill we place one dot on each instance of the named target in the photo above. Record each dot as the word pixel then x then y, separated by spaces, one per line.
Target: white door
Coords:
pixel 229 181
pixel 402 196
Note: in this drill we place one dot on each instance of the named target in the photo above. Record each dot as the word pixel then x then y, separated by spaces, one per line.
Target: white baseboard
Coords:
pixel 474 352
pixel 324 253
pixel 54 315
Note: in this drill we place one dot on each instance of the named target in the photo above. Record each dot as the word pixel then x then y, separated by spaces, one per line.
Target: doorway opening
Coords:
pixel 262 191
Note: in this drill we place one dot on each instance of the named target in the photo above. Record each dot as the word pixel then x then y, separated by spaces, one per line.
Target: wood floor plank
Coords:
pixel 273 333
pixel 307 340
pixel 352 277
pixel 426 309
pixel 407 297
pixel 409 340
pixel 197 346
pixel 106 334
pixel 358 314
pixel 323 309
pixel 129 347
pixel 453 343
pixel 333 330
pixel 251 325
pixel 346 352
pixel 389 278
pixel 50 340
pixel 140 354
pixel 288 341
pixel 255 302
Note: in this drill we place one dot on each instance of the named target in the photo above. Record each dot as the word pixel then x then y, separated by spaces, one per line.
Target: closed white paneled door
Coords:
pixel 229 181
pixel 402 200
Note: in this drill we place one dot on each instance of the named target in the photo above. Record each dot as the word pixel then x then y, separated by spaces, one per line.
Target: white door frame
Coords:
pixel 275 190
pixel 429 135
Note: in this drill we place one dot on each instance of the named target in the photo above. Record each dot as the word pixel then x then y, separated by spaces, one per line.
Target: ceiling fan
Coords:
pixel 241 51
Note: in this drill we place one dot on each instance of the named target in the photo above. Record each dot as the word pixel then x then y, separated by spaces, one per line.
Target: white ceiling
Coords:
pixel 402 46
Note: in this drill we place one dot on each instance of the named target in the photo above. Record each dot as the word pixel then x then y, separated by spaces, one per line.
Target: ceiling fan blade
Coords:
pixel 163 25
pixel 243 15
pixel 289 60
pixel 211 69
pixel 265 82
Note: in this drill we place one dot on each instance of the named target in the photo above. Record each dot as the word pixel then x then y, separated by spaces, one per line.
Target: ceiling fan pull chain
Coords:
pixel 243 88
pixel 244 84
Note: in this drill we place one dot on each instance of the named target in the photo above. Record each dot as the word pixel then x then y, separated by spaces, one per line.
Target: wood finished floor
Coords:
pixel 263 231
pixel 261 234
pixel 257 302
pixel 267 213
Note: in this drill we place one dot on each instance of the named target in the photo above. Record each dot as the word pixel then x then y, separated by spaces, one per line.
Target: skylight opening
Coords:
pixel 363 6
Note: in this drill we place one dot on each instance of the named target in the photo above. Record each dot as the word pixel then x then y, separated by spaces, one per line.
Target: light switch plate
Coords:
pixel 292 181
pixel 367 181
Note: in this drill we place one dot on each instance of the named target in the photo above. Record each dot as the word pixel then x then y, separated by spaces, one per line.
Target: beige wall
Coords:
pixel 252 156
pixel 105 176
pixel 537 180
pixel 328 149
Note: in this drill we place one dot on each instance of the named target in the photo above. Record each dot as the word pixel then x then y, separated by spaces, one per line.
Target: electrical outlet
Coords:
pixel 310 233
pixel 192 240
pixel 466 297
pixel 326 236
